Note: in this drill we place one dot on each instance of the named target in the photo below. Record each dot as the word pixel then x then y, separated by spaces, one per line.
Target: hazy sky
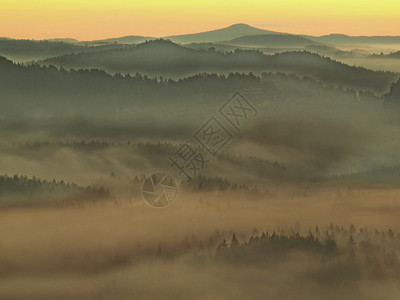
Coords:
pixel 95 19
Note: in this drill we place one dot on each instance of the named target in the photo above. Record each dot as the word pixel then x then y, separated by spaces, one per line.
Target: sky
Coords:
pixel 97 19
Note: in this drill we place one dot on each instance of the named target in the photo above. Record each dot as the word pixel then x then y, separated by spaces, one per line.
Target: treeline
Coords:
pixel 328 241
pixel 52 92
pixel 394 95
pixel 379 175
pixel 256 165
pixel 34 50
pixel 146 148
pixel 344 253
pixel 267 246
pixel 201 183
pixel 158 152
pixel 368 242
pixel 94 95
pixel 20 190
pixel 164 58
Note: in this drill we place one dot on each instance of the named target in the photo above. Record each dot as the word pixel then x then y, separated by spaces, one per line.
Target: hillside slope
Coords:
pixel 271 40
pixel 164 58
pixel 219 35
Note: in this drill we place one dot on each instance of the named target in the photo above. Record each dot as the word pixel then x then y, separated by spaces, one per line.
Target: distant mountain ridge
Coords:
pixel 170 60
pixel 232 32
pixel 219 35
pixel 271 40
pixel 395 55
pixel 347 39
pixel 51 93
pixel 64 40
pixel 27 50
pixel 131 39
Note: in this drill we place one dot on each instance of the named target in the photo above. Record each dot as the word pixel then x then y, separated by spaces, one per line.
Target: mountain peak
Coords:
pixel 219 35
pixel 240 25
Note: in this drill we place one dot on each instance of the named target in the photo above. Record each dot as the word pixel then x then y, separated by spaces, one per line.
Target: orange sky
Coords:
pixel 96 19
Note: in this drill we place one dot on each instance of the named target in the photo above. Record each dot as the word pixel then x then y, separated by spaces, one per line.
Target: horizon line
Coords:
pixel 184 34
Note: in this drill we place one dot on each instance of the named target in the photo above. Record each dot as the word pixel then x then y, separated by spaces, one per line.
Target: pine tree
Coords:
pixel 234 242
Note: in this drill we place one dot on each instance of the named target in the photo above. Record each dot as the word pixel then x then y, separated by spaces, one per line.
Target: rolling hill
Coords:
pixel 41 92
pixel 92 103
pixel 131 39
pixel 346 39
pixel 271 40
pixel 395 55
pixel 27 50
pixel 64 40
pixel 167 59
pixel 394 94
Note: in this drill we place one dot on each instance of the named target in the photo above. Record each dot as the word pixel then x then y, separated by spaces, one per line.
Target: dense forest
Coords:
pixel 344 254
pixel 19 190
pixel 164 58
pixel 31 50
pixel 50 92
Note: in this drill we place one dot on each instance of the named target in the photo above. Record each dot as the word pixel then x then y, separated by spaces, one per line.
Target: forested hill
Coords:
pixel 34 91
pixel 27 50
pixel 394 94
pixel 271 40
pixel 20 190
pixel 164 58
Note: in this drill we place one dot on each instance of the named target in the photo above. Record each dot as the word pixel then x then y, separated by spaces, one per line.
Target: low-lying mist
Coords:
pixel 126 249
